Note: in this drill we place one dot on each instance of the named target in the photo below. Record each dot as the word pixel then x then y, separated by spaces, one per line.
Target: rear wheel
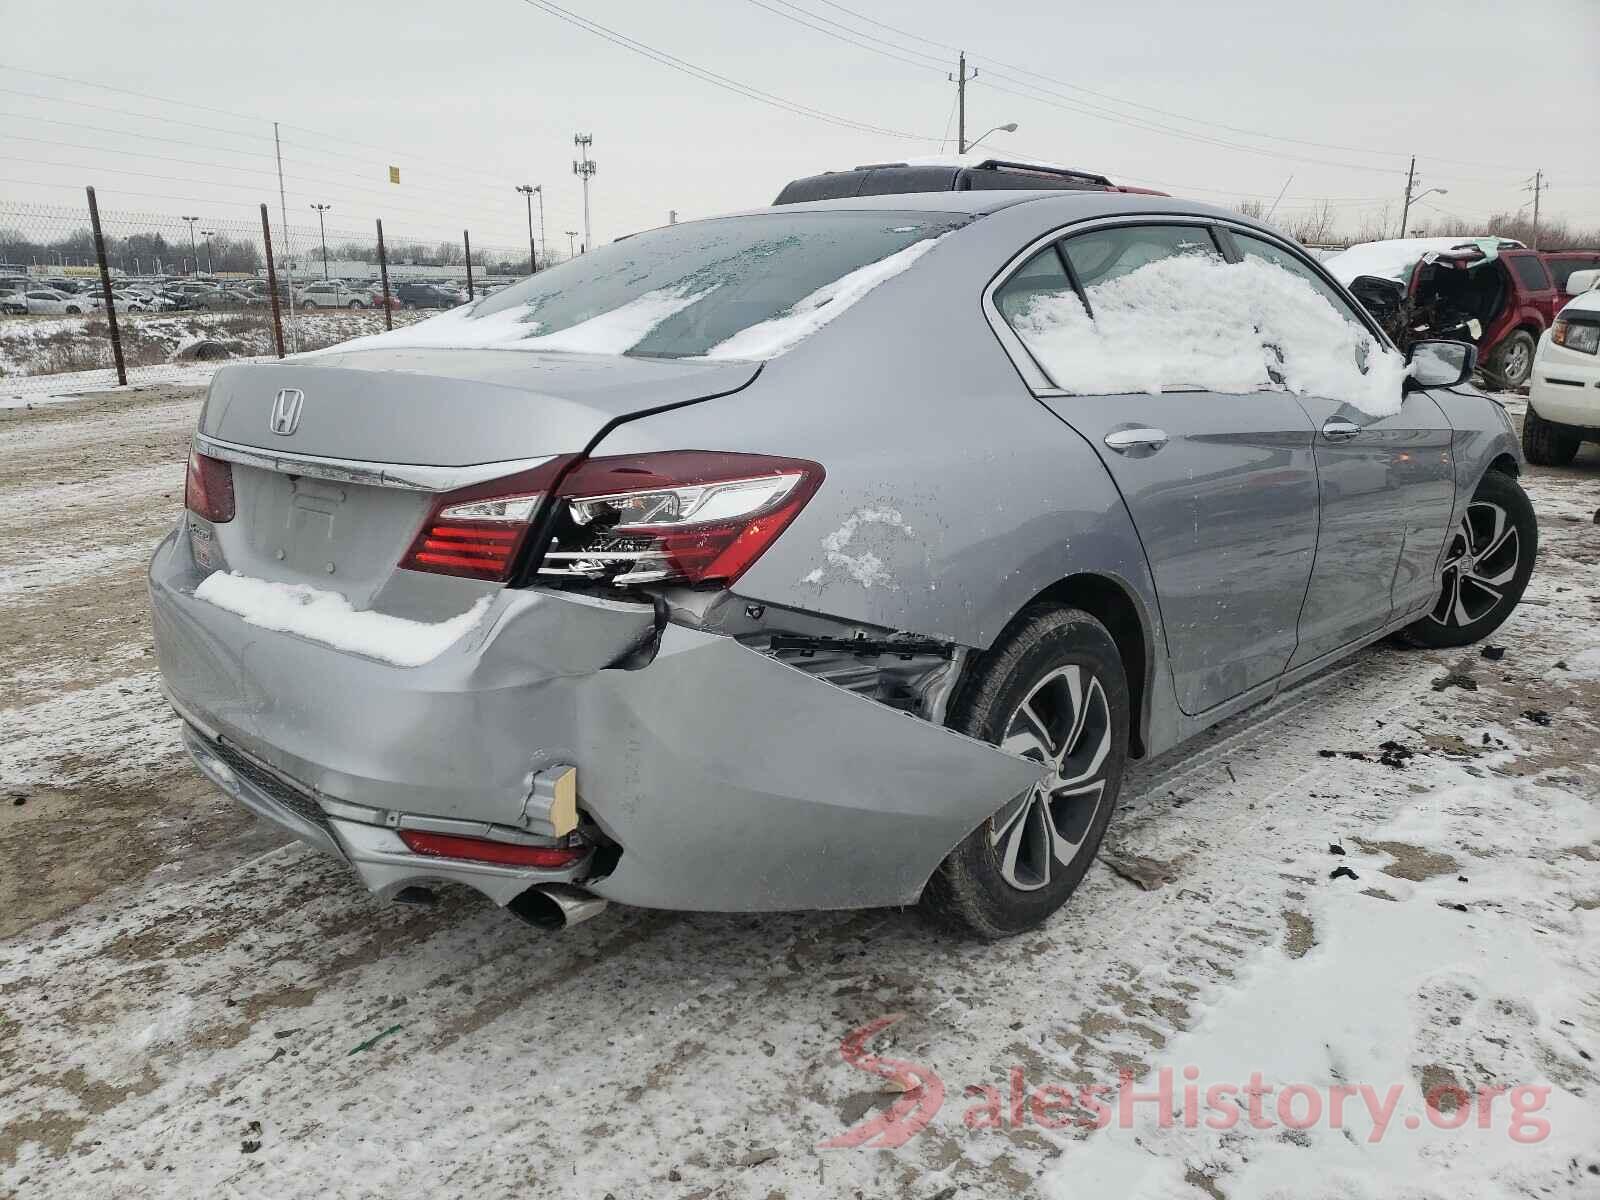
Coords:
pixel 1548 444
pixel 308 304
pixel 357 304
pixel 1487 563
pixel 1512 361
pixel 1053 690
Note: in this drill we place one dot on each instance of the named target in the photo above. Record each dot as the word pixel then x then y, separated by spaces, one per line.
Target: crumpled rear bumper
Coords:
pixel 731 781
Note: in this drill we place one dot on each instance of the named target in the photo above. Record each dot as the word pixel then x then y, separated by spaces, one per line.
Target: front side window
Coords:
pixel 1160 310
pixel 1254 247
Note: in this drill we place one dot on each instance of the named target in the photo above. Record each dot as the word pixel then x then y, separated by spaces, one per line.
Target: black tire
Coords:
pixel 74 310
pixel 308 304
pixel 999 881
pixel 1511 364
pixel 354 304
pixel 1548 444
pixel 1479 549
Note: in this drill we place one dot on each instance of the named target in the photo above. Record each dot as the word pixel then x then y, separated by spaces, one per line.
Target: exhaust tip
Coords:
pixel 556 906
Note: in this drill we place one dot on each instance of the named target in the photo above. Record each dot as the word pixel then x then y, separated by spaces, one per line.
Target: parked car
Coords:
pixel 1563 263
pixel 51 303
pixel 427 295
pixel 195 295
pixel 855 579
pixel 946 175
pixel 13 303
pixel 1564 393
pixel 1492 292
pixel 333 293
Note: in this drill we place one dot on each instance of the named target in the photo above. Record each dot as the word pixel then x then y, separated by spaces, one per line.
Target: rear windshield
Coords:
pixel 737 286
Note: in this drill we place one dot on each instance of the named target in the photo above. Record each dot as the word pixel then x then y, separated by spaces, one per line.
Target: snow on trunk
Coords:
pixel 1197 322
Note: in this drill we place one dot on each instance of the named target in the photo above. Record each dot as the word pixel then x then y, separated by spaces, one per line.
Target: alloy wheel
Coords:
pixel 1516 361
pixel 1480 563
pixel 1064 724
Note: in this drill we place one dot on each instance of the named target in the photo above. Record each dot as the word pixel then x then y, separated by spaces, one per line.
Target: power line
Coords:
pixel 995 62
pixel 715 79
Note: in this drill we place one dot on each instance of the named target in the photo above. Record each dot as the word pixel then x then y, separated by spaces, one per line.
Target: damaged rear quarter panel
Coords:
pixel 952 496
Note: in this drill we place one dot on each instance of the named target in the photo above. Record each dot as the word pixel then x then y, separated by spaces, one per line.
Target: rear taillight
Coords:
pixel 208 491
pixel 684 516
pixel 477 532
pixel 696 517
pixel 510 854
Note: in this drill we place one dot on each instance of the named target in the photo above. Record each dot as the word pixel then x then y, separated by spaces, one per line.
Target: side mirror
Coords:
pixel 1582 281
pixel 1440 364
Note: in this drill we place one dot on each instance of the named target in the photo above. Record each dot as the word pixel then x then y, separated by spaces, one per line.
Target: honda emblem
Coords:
pixel 286 411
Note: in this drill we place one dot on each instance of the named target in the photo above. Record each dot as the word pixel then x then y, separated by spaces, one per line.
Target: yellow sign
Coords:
pixel 394 174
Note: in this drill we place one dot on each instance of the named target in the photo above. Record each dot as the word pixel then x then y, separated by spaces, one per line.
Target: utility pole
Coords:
pixel 571 253
pixel 208 234
pixel 528 189
pixel 1536 185
pixel 283 213
pixel 584 168
pixel 194 252
pixel 960 79
pixel 323 230
pixel 1405 207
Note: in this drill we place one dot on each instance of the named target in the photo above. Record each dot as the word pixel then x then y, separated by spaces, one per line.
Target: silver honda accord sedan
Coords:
pixel 826 556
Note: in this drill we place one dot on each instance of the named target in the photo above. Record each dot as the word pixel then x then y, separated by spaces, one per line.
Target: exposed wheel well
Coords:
pixel 1506 464
pixel 1109 603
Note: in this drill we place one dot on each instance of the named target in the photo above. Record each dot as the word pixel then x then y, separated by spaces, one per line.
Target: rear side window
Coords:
pixel 1041 277
pixel 1108 254
pixel 1530 272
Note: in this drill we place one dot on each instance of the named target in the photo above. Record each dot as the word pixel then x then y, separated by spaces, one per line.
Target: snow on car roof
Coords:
pixel 1393 259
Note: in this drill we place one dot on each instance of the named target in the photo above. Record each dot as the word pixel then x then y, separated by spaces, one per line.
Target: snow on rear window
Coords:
pixel 1197 322
pixel 746 287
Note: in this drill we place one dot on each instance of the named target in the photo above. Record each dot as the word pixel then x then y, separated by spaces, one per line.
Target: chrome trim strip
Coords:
pixel 409 477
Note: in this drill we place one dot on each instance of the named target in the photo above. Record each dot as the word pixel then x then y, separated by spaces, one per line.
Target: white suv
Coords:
pixel 1564 391
pixel 333 293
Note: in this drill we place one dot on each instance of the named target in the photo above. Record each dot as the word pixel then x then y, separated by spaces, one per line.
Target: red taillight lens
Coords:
pixel 208 491
pixel 683 516
pixel 445 845
pixel 477 532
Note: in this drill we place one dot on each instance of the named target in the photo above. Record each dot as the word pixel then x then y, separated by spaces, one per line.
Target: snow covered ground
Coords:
pixel 189 1006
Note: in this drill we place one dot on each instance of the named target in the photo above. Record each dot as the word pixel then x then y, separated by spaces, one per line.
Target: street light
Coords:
pixel 194 253
pixel 323 229
pixel 208 234
pixel 1009 127
pixel 528 189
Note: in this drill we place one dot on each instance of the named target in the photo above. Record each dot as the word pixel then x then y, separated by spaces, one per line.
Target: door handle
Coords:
pixel 1139 440
pixel 1336 430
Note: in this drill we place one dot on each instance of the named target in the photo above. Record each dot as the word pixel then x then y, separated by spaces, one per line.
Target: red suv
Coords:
pixel 1494 293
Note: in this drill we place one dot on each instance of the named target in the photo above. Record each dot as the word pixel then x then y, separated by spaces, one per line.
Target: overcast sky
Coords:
pixel 1217 101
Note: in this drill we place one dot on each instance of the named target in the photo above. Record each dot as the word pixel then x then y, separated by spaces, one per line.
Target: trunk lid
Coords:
pixel 294 523
pixel 452 407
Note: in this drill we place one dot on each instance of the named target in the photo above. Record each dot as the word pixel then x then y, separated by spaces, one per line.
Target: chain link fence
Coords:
pixel 193 288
